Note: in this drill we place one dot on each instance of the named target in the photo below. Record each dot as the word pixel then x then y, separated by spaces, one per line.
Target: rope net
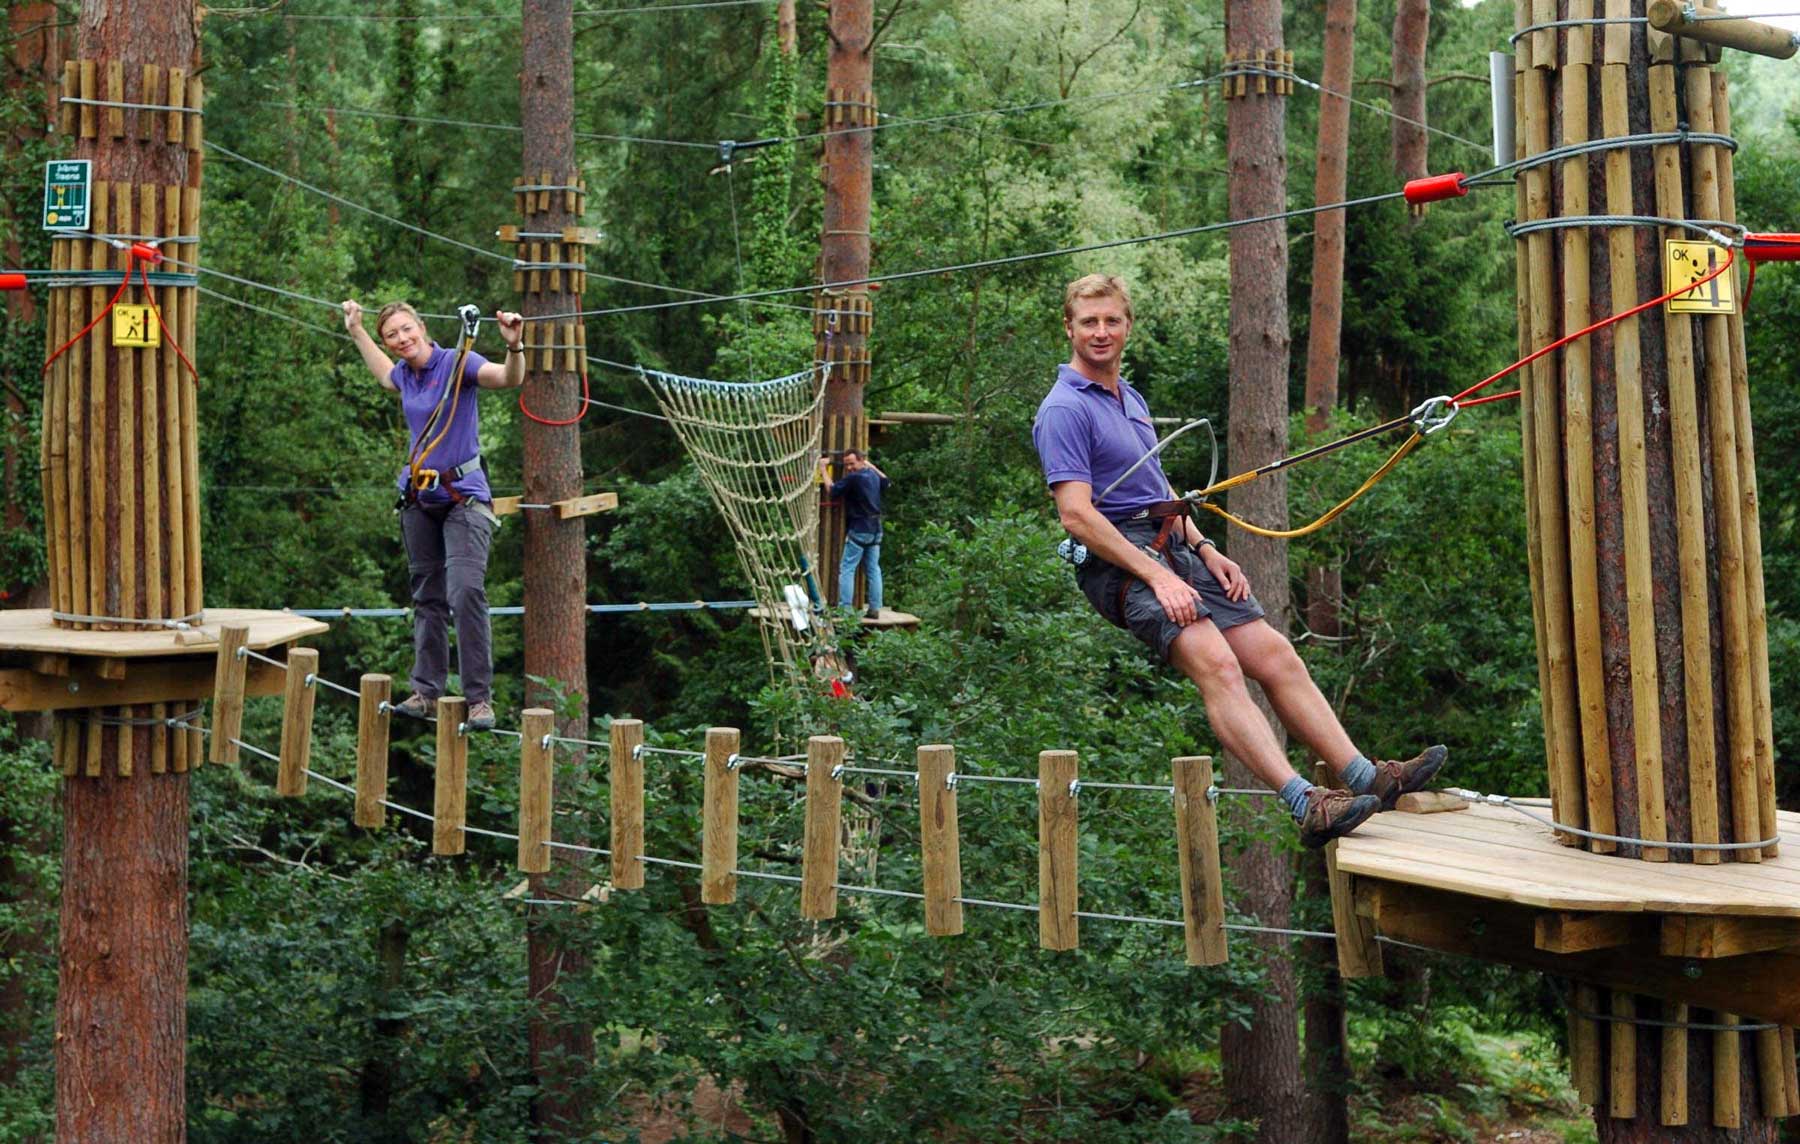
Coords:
pixel 756 445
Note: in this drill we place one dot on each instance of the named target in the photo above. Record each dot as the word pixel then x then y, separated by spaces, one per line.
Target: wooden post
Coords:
pixel 1791 1074
pixel 451 792
pixel 1057 837
pixel 1728 1110
pixel 940 844
pixel 1621 1096
pixel 1197 849
pixel 372 719
pixel 1584 1045
pixel 228 692
pixel 296 722
pixel 824 821
pixel 627 770
pixel 719 811
pixel 1770 1073
pixel 1674 1066
pixel 1707 26
pixel 536 766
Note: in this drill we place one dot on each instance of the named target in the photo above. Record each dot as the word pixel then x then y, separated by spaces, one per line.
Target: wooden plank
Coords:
pixel 1728 1104
pixel 33 630
pixel 115 93
pixel 1751 515
pixel 1684 935
pixel 150 93
pixel 719 812
pixel 49 664
pixel 170 464
pixel 229 671
pixel 110 669
pixel 90 89
pixel 1674 1110
pixel 1565 932
pixel 1058 926
pixel 940 843
pixel 23 690
pixel 1684 420
pixel 373 723
pixel 1765 984
pixel 1197 851
pixel 174 128
pixel 450 791
pixel 824 822
pixel 627 783
pixel 73 368
pixel 536 766
pixel 1584 1044
pixel 1617 48
pixel 587 506
pixel 507 506
pixel 296 721
pixel 1430 802
pixel 1621 1057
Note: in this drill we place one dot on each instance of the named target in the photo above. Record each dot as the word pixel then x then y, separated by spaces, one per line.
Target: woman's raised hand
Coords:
pixel 353 312
pixel 512 326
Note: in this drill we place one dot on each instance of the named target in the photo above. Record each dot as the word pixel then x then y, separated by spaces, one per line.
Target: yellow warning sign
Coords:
pixel 1686 262
pixel 135 326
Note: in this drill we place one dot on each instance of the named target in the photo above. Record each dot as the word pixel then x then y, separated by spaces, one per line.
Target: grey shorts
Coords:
pixel 1143 615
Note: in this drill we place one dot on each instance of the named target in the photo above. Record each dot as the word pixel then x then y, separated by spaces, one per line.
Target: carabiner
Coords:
pixel 1434 413
pixel 471 320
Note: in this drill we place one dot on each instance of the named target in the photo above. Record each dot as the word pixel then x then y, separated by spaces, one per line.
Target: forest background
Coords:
pixel 346 986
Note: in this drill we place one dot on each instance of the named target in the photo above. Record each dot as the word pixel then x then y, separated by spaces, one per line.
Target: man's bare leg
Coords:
pixel 1267 657
pixel 1204 656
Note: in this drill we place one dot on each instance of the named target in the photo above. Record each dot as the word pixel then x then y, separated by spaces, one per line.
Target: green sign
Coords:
pixel 66 197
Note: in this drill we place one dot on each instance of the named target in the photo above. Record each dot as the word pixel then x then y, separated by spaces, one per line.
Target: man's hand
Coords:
pixel 512 326
pixel 1226 571
pixel 353 313
pixel 1178 599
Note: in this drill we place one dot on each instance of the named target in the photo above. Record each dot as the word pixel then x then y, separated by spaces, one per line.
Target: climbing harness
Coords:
pixel 420 479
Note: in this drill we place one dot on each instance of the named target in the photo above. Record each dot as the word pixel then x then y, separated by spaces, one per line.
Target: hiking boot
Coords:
pixel 416 706
pixel 1394 778
pixel 872 614
pixel 1332 814
pixel 481 717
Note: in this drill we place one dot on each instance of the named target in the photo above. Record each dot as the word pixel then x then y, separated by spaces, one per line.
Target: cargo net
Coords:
pixel 756 445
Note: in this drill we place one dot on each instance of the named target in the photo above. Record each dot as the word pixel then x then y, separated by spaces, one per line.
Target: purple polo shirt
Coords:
pixel 419 394
pixel 1084 433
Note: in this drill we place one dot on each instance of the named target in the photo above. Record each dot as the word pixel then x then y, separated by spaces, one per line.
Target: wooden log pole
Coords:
pixel 1728 1105
pixel 824 826
pixel 1197 850
pixel 1713 26
pixel 627 807
pixel 1621 1095
pixel 1584 1046
pixel 228 692
pixel 1674 1110
pixel 1771 1082
pixel 373 716
pixel 536 768
pixel 1057 836
pixel 1790 1074
pixel 940 843
pixel 719 812
pixel 296 721
pixel 450 794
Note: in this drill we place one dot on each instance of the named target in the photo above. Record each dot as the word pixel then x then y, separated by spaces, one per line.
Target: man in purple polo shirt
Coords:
pixel 1150 571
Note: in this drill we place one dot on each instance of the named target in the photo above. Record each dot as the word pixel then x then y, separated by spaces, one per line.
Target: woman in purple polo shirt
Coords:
pixel 447 516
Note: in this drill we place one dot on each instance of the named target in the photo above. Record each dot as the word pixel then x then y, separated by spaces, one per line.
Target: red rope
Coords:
pixel 126 281
pixel 150 296
pixel 582 412
pixel 1730 255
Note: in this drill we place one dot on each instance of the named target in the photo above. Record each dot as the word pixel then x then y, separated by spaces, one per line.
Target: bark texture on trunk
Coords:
pixel 1326 324
pixel 561 1042
pixel 1262 1070
pixel 1412 27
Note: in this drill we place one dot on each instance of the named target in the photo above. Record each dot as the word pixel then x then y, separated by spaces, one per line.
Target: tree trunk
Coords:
pixel 562 1043
pixel 1262 1061
pixel 1412 26
pixel 845 316
pixel 121 1007
pixel 380 1072
pixel 786 28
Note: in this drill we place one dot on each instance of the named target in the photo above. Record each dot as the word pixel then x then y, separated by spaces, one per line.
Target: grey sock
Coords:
pixel 1359 774
pixel 1293 792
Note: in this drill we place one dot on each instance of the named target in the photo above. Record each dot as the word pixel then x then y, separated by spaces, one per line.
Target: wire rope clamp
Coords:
pixel 1436 188
pixel 950 781
pixel 837 772
pixel 637 752
pixel 1434 413
pixel 733 761
pixel 1212 793
pixel 544 743
pixel 1074 788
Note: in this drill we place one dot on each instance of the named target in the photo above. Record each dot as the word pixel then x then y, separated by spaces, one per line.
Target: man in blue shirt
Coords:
pixel 860 490
pixel 1150 571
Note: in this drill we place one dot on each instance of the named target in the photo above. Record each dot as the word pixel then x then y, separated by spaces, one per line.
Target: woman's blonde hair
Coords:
pixel 393 308
pixel 1096 286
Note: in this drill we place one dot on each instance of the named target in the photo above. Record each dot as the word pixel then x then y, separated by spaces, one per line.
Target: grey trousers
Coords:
pixel 447 555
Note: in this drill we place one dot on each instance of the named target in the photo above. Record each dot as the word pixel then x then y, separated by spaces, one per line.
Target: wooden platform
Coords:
pixel 34 632
pixel 1490 883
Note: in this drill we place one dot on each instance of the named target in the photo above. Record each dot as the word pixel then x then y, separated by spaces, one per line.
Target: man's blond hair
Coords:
pixel 1096 286
pixel 393 308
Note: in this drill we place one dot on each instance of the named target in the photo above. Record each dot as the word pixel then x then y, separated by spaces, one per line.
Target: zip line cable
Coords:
pixel 497 17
